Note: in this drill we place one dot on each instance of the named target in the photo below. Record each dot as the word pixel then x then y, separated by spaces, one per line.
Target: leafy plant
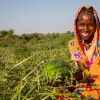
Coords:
pixel 22 60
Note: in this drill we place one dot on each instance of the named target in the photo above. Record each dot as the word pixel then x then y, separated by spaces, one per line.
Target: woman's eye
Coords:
pixel 81 25
pixel 90 25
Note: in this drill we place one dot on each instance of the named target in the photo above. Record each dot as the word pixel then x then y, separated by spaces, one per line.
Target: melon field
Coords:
pixel 22 59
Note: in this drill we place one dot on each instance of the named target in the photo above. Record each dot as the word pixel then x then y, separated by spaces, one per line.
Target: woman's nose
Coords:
pixel 86 28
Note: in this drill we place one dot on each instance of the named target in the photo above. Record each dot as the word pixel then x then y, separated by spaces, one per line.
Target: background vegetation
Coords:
pixel 22 59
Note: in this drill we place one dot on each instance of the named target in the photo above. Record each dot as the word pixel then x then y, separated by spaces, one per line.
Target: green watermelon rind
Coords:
pixel 56 65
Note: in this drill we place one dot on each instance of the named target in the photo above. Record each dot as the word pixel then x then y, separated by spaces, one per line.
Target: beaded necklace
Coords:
pixel 88 44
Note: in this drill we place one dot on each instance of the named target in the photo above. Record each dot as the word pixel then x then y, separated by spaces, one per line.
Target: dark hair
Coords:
pixel 85 10
pixel 89 10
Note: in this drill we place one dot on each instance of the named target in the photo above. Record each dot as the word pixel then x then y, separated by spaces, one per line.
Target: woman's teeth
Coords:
pixel 85 34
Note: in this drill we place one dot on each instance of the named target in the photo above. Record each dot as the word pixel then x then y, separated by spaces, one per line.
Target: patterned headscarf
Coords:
pixel 87 7
pixel 79 44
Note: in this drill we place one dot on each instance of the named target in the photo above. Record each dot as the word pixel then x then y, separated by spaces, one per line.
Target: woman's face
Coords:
pixel 86 26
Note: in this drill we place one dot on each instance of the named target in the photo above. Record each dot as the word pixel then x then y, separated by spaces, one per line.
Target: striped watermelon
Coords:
pixel 56 65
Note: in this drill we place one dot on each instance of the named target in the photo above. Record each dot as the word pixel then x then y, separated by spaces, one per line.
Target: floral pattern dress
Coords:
pixel 90 58
pixel 77 54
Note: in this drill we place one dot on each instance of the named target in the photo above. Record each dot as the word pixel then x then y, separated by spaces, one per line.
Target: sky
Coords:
pixel 41 16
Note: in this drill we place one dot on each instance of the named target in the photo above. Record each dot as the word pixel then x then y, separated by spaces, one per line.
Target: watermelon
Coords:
pixel 56 65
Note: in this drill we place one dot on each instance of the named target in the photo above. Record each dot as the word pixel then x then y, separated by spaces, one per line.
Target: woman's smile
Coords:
pixel 86 26
pixel 85 34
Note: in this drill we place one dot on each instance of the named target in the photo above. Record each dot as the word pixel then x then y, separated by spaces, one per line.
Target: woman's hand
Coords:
pixel 90 79
pixel 87 79
pixel 81 66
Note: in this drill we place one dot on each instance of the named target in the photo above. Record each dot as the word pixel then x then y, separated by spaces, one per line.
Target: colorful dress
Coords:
pixel 90 58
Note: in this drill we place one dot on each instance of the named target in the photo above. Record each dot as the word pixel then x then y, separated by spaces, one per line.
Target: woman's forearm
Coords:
pixel 81 66
pixel 87 79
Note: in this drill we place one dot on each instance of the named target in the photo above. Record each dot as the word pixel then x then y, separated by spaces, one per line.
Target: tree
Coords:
pixel 8 33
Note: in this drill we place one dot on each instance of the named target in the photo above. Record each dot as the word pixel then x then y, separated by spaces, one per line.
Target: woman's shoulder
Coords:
pixel 98 43
pixel 98 47
pixel 71 42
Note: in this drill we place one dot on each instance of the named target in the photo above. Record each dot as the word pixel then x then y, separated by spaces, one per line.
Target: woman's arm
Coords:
pixel 81 66
pixel 86 78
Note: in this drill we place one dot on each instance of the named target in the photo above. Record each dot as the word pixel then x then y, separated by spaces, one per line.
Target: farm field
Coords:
pixel 22 59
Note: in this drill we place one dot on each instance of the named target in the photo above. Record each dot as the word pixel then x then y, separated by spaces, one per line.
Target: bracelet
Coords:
pixel 86 72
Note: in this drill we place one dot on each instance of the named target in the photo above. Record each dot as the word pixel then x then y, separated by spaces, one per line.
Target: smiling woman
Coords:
pixel 85 50
pixel 86 26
